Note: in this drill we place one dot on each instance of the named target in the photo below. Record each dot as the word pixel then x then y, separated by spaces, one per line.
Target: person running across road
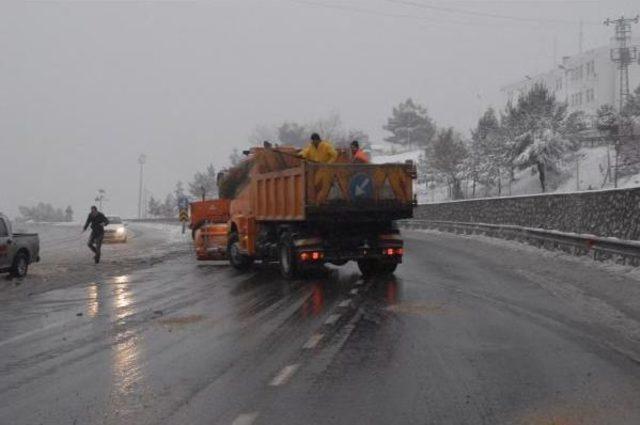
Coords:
pixel 97 221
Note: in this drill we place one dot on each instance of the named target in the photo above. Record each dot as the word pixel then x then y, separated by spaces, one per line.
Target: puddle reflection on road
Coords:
pixel 122 299
pixel 93 305
pixel 126 390
pixel 314 305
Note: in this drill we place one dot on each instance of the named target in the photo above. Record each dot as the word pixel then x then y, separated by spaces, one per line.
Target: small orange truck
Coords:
pixel 276 207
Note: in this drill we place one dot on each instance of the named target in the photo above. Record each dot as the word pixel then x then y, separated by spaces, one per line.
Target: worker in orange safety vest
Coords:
pixel 358 155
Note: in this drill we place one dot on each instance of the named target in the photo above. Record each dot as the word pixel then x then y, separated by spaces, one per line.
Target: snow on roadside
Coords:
pixel 395 158
pixel 173 231
pixel 584 260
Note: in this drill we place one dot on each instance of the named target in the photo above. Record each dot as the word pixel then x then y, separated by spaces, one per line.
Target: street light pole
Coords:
pixel 141 160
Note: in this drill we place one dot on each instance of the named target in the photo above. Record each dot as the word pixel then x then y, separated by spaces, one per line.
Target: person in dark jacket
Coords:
pixel 97 221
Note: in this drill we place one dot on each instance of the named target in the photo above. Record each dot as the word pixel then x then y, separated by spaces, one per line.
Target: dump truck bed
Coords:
pixel 314 191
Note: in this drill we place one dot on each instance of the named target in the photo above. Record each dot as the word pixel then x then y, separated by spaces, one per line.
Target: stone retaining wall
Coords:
pixel 609 213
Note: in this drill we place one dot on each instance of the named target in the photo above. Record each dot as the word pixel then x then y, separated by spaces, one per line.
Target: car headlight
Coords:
pixel 120 230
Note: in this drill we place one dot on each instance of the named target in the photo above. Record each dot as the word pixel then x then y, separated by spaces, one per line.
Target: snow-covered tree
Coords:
pixel 42 212
pixel 410 125
pixel 293 134
pixel 574 124
pixel 534 128
pixel 235 158
pixel 632 107
pixel 169 207
pixel 447 158
pixel 262 133
pixel 204 181
pixel 607 121
pixel 154 207
pixel 178 192
pixel 486 152
pixel 543 148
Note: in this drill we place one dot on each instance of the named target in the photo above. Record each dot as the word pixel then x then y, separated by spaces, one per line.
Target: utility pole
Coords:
pixel 581 37
pixel 141 160
pixel 145 202
pixel 623 54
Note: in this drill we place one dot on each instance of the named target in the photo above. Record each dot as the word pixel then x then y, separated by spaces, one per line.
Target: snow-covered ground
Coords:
pixel 398 157
pixel 587 170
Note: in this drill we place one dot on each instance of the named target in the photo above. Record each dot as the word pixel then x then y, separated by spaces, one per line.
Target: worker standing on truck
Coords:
pixel 97 220
pixel 319 150
pixel 358 156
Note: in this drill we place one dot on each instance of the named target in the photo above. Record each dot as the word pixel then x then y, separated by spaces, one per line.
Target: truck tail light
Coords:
pixel 393 251
pixel 311 256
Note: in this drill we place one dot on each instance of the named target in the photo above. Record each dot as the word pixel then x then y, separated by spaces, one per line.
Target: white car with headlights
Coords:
pixel 115 231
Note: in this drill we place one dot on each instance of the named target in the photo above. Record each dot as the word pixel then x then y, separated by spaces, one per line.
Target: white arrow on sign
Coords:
pixel 361 187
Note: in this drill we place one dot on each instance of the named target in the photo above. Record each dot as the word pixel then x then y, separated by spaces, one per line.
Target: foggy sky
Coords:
pixel 86 86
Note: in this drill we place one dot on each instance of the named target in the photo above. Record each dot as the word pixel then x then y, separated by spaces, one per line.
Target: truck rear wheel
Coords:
pixel 238 260
pixel 387 268
pixel 287 257
pixel 20 265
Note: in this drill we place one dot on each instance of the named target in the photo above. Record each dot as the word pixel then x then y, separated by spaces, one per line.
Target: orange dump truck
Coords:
pixel 275 207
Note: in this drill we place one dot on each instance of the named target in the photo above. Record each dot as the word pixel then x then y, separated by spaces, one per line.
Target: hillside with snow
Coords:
pixel 586 170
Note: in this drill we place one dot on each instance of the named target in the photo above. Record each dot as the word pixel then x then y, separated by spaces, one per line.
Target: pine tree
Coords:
pixel 410 125
pixel 447 157
pixel 154 207
pixel 535 125
pixel 486 152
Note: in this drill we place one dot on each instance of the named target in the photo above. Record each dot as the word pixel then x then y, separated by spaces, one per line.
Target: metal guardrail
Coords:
pixel 600 248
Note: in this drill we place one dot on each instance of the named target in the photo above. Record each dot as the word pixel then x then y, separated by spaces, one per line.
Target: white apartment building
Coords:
pixel 584 81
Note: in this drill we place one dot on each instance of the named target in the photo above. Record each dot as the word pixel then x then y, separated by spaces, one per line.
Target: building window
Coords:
pixel 559 84
pixel 591 69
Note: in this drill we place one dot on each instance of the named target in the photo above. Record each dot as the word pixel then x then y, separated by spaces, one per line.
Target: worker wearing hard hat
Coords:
pixel 358 156
pixel 319 150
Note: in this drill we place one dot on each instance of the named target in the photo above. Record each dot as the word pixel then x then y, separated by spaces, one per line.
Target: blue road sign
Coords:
pixel 183 203
pixel 361 187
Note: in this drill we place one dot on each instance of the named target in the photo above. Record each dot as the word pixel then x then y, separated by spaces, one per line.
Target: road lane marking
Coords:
pixel 354 292
pixel 345 304
pixel 245 419
pixel 332 319
pixel 285 374
pixel 313 341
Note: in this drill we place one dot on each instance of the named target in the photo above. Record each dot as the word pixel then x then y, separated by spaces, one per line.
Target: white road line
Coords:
pixel 345 304
pixel 285 374
pixel 313 341
pixel 332 319
pixel 245 419
pixel 354 292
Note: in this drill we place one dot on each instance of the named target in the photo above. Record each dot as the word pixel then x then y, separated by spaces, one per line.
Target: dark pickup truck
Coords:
pixel 17 250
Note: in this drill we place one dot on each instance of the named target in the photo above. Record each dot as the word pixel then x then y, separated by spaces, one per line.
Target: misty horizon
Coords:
pixel 88 86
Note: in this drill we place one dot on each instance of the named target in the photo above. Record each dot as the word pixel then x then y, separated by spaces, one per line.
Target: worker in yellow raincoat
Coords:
pixel 319 150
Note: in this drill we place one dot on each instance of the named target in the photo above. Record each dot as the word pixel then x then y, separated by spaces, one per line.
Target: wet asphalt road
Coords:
pixel 468 331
